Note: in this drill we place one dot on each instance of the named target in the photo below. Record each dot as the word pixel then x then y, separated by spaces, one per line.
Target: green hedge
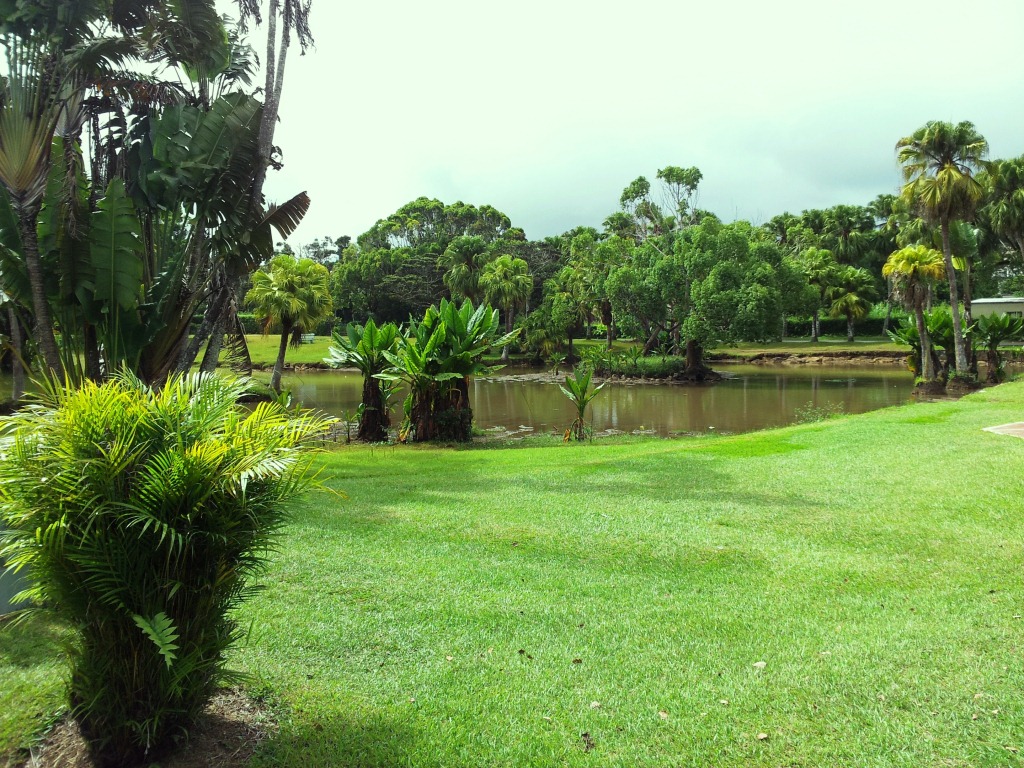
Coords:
pixel 797 327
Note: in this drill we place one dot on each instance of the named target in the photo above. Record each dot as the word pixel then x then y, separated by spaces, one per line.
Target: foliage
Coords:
pixel 142 516
pixel 435 358
pixel 912 270
pixel 364 348
pixel 991 331
pixel 293 294
pixel 577 389
pixel 940 161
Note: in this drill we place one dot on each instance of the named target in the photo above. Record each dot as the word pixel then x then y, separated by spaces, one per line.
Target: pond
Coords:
pixel 523 400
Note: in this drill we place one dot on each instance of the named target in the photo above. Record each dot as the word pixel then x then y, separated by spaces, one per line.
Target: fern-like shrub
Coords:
pixel 142 516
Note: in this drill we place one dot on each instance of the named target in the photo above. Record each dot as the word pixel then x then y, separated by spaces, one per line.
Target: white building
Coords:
pixel 1011 305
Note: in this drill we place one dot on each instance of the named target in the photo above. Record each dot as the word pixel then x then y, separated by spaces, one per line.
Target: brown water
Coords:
pixel 754 397
pixel 522 400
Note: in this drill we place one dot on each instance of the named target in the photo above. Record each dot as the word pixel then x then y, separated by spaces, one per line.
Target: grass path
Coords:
pixel 609 605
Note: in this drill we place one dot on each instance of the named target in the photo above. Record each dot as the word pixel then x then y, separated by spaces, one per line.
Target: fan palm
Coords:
pixel 819 264
pixel 1005 208
pixel 463 261
pixel 852 293
pixel 294 294
pixel 912 270
pixel 507 283
pixel 939 164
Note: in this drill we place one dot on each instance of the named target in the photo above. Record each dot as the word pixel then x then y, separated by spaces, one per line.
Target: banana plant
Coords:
pixel 577 389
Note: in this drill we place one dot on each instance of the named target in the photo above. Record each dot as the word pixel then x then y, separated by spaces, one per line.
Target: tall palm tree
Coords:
pixel 1005 208
pixel 912 270
pixel 293 293
pixel 851 294
pixel 463 261
pixel 507 283
pixel 939 164
pixel 820 266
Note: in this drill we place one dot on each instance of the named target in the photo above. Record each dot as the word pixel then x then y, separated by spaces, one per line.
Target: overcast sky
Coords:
pixel 547 109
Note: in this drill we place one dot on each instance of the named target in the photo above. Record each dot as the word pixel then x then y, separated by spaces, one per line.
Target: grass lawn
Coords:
pixel 845 593
pixel 263 349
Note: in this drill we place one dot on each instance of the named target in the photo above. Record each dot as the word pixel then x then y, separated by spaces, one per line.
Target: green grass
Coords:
pixel 263 350
pixel 470 608
pixel 805 347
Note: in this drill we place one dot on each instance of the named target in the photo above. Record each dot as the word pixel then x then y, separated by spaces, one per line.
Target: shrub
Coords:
pixel 143 515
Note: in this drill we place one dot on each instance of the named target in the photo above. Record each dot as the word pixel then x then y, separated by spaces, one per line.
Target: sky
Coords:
pixel 547 109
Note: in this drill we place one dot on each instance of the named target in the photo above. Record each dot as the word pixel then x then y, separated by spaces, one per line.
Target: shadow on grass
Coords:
pixel 374 742
pixel 37 640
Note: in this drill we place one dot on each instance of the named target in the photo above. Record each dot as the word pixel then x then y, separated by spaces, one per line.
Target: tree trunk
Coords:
pixel 962 366
pixel 696 371
pixel 17 369
pixel 927 365
pixel 994 372
pixel 93 370
pixel 849 329
pixel 275 377
pixel 373 426
pixel 508 329
pixel 814 327
pixel 609 322
pixel 213 347
pixel 40 307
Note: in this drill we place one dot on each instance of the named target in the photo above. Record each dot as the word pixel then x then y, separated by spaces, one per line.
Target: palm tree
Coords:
pixel 912 270
pixel 820 267
pixel 852 294
pixel 463 261
pixel 363 347
pixel 293 293
pixel 507 283
pixel 939 162
pixel 1005 208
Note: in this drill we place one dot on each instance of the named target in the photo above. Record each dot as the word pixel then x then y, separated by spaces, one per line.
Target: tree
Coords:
pixel 463 261
pixel 820 266
pixel 939 164
pixel 851 295
pixel 293 294
pixel 364 347
pixel 912 270
pixel 1005 202
pixel 507 284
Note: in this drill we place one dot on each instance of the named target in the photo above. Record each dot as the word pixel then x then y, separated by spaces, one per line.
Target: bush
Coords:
pixel 143 515
pixel 797 327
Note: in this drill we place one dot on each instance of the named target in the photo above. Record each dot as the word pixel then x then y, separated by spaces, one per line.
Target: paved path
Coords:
pixel 1016 429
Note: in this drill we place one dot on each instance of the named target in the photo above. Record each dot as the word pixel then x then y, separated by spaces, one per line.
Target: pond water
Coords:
pixel 523 400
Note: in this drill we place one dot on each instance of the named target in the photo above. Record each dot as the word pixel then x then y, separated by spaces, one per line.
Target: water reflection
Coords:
pixel 754 397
